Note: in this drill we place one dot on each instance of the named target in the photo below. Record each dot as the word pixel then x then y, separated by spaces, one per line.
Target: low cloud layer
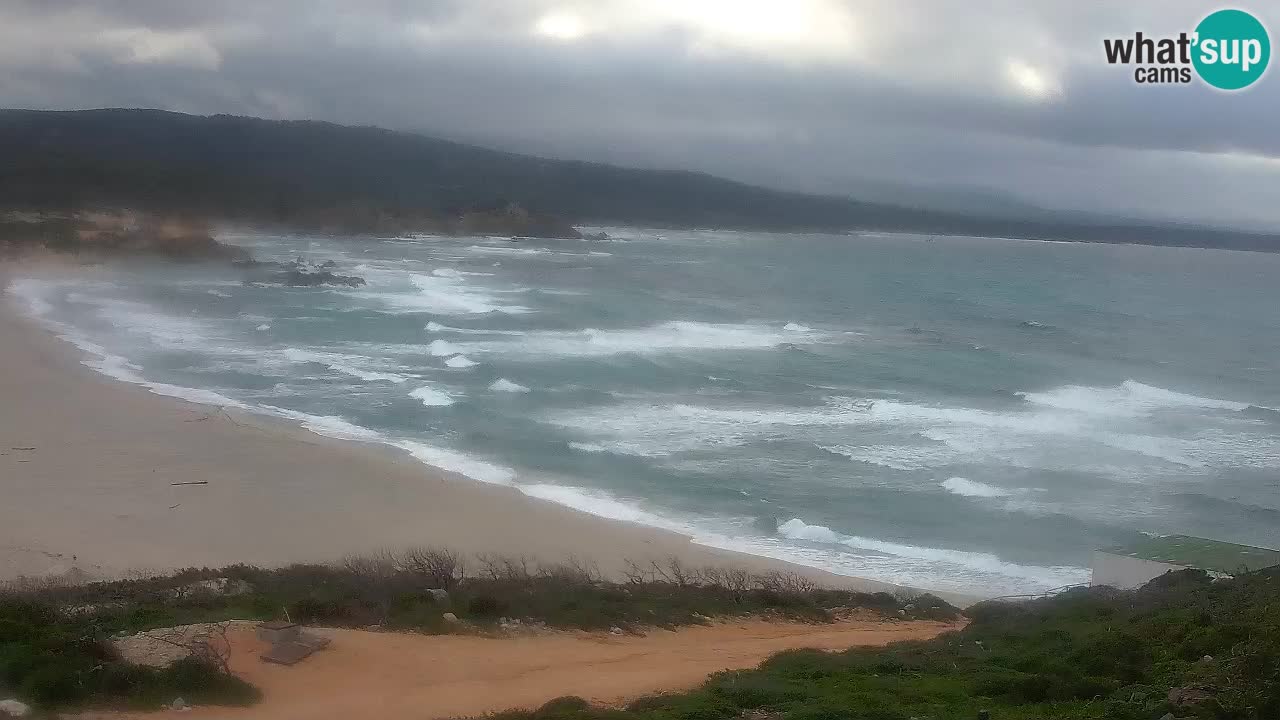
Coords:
pixel 981 100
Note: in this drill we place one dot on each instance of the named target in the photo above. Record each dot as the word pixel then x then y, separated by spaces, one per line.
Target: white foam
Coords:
pixel 103 361
pixel 263 326
pixel 600 504
pixel 588 447
pixel 443 295
pixel 460 463
pixel 797 327
pixel 345 364
pixel 1129 399
pixel 895 457
pixel 431 397
pixel 505 385
pixel 973 488
pixel 326 425
pixel 509 250
pixel 436 327
pixel 443 348
pixel 460 362
pixel 33 294
pixel 218 293
pixel 948 562
pixel 667 337
pixel 455 273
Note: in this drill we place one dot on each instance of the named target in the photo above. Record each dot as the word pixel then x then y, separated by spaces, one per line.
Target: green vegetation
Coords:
pixel 1199 553
pixel 1089 653
pixel 52 659
pixel 1184 644
pixel 393 590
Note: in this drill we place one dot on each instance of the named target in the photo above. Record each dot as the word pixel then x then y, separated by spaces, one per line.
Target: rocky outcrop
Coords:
pixel 95 235
pixel 298 273
pixel 515 221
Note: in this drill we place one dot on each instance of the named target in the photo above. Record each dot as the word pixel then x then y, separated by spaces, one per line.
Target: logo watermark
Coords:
pixel 1229 50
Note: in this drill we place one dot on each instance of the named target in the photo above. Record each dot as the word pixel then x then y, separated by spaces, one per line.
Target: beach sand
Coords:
pixel 88 468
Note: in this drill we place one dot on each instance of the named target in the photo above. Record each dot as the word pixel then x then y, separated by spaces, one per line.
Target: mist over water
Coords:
pixel 963 414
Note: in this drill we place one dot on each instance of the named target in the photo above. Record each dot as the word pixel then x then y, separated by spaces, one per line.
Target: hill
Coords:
pixel 369 179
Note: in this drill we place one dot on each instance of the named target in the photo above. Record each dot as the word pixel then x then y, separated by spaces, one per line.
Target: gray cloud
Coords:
pixel 1002 97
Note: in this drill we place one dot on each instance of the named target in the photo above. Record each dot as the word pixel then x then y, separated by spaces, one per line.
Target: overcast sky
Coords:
pixel 1001 98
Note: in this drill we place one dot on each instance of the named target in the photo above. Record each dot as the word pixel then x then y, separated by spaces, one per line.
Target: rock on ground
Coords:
pixel 163 647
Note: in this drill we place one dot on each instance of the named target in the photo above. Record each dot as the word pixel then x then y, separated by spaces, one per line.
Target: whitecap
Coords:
pixel 677 336
pixel 973 488
pixel 460 362
pixel 436 327
pixel 1130 399
pixel 443 348
pixel 353 365
pixel 455 273
pixel 505 385
pixel 431 397
pixel 448 295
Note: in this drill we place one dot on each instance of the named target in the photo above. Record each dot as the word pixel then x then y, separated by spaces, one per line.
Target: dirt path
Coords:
pixel 392 676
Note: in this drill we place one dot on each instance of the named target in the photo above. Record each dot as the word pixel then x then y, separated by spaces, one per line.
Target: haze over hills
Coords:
pixel 316 173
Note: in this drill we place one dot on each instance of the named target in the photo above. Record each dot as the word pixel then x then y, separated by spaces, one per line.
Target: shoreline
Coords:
pixel 95 497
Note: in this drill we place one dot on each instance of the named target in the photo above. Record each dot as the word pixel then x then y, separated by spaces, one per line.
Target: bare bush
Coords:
pixel 674 572
pixel 439 567
pixel 376 573
pixel 638 574
pixel 573 571
pixel 734 580
pixel 505 567
pixel 785 582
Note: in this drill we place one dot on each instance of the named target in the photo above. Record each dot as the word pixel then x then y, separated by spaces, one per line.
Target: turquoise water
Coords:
pixel 964 414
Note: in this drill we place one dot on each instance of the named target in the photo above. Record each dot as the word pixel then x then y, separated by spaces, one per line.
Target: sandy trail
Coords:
pixel 392 676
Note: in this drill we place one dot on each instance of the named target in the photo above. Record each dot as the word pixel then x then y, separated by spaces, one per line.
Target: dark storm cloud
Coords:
pixel 1005 97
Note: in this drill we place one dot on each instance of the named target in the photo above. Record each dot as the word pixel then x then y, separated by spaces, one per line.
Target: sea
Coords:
pixel 973 415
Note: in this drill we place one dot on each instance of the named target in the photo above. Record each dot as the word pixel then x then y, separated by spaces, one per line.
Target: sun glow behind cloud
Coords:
pixel 561 25
pixel 1030 82
pixel 788 30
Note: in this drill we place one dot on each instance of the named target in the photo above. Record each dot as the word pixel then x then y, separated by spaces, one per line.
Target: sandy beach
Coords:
pixel 91 472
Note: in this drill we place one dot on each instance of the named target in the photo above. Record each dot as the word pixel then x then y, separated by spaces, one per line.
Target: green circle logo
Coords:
pixel 1231 49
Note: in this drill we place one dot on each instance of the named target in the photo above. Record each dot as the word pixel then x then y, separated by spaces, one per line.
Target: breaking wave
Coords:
pixel 973 488
pixel 975 565
pixel 674 336
pixel 505 385
pixel 431 397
